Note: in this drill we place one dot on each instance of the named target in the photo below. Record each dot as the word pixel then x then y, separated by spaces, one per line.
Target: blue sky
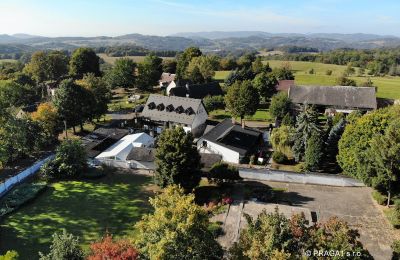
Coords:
pixel 164 17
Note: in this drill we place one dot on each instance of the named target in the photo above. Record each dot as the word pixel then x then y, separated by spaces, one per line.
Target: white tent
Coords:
pixel 120 150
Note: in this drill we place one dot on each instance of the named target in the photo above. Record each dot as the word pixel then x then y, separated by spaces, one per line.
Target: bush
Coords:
pixel 19 196
pixel 222 172
pixel 64 246
pixel 301 167
pixel 10 255
pixel 380 198
pixel 279 157
pixel 396 249
pixel 215 229
pixel 328 72
pixel 214 102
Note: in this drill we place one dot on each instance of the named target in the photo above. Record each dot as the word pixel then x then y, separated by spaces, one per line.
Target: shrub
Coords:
pixel 328 72
pixel 64 246
pixel 300 167
pixel 311 71
pixel 10 255
pixel 215 229
pixel 222 172
pixel 396 249
pixel 380 198
pixel 19 196
pixel 107 248
pixel 279 157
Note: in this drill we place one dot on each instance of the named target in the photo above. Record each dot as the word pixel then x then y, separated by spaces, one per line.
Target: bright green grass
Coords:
pixel 7 60
pixel 261 115
pixel 85 208
pixel 388 87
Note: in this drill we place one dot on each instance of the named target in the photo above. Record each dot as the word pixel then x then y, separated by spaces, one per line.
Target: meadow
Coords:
pixel 88 208
pixel 388 87
pixel 111 60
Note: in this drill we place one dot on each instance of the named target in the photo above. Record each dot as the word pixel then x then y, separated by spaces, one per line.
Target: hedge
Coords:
pixel 19 196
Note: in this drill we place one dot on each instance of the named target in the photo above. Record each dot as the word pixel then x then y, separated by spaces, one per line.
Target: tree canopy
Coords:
pixel 122 74
pixel 177 229
pixel 242 99
pixel 84 60
pixel 280 105
pixel 184 59
pixel 150 71
pixel 177 160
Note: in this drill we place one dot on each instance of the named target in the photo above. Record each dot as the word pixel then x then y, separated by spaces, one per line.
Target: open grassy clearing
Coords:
pixel 86 208
pixel 388 87
pixel 112 60
pixel 7 60
pixel 261 115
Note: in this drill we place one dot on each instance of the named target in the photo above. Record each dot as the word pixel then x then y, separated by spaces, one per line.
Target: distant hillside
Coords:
pixel 207 41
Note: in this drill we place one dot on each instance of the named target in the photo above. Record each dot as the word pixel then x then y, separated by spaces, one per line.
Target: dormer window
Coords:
pixel 160 107
pixel 189 111
pixel 179 110
pixel 151 105
pixel 170 108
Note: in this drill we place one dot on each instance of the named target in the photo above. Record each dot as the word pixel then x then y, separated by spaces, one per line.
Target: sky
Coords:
pixel 165 17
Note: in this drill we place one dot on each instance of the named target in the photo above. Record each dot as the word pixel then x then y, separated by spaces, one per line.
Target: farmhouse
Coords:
pixel 199 91
pixel 165 79
pixel 162 111
pixel 343 99
pixel 230 140
pixel 117 154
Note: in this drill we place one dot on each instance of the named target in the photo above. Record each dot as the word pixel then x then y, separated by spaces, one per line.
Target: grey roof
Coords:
pixel 199 91
pixel 233 136
pixel 338 96
pixel 167 77
pixel 100 139
pixel 141 154
pixel 172 116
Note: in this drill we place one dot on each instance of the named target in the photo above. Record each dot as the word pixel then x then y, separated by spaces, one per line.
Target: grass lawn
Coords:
pixel 388 87
pixel 85 208
pixel 261 115
pixel 112 60
pixel 7 60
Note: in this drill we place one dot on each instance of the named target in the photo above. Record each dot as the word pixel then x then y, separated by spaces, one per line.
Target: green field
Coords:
pixel 85 208
pixel 261 115
pixel 388 87
pixel 7 60
pixel 112 60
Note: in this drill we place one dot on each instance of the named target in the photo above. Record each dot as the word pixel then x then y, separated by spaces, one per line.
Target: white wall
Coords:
pixel 228 155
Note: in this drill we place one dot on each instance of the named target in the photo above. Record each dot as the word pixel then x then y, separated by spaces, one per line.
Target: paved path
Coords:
pixel 352 204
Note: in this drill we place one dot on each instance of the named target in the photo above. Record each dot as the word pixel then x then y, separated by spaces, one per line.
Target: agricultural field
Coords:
pixel 388 87
pixel 7 60
pixel 88 208
pixel 111 60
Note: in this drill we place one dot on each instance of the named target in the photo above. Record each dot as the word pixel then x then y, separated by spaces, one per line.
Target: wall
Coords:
pixel 304 178
pixel 11 182
pixel 227 154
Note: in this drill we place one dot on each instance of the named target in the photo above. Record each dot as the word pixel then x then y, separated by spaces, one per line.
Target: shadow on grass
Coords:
pixel 87 209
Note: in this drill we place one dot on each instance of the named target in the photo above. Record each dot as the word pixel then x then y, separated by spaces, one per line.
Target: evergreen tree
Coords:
pixel 314 152
pixel 64 247
pixel 306 126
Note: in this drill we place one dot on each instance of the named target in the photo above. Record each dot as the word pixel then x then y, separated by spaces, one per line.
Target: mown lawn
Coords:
pixel 261 115
pixel 85 208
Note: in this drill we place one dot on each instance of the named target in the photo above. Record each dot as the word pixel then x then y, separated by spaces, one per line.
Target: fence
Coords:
pixel 304 178
pixel 11 182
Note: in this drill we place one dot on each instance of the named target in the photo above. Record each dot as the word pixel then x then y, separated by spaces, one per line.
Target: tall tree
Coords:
pixel 280 105
pixel 265 83
pixel 100 91
pixel 306 126
pixel 38 66
pixel 57 63
pixel 177 160
pixel 122 74
pixel 46 114
pixel 385 155
pixel 356 141
pixel 178 229
pixel 242 99
pixel 313 154
pixel 183 60
pixel 84 60
pixel 284 72
pixel 169 66
pixel 203 65
pixel 150 71
pixel 74 103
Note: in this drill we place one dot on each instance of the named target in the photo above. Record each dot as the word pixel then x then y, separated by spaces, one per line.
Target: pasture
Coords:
pixel 388 87
pixel 111 60
pixel 87 208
